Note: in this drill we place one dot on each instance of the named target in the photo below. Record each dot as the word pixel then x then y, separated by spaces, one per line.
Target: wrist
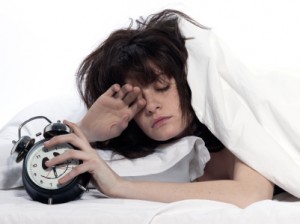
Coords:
pixel 84 130
pixel 120 189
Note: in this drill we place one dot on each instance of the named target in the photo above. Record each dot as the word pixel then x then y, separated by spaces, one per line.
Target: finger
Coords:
pixel 112 90
pixel 71 154
pixel 125 89
pixel 133 110
pixel 137 106
pixel 75 130
pixel 82 168
pixel 72 139
pixel 132 96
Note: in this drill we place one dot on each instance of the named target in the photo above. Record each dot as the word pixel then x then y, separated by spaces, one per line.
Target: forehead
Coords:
pixel 144 75
pixel 159 79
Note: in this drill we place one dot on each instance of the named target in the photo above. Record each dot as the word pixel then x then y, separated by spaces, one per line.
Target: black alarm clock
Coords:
pixel 40 181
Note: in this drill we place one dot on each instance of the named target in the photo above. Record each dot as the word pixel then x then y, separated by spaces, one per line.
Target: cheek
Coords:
pixel 139 120
pixel 142 122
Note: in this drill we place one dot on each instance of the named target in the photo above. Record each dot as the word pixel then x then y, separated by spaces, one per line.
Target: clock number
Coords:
pixel 38 156
pixel 34 165
pixel 41 181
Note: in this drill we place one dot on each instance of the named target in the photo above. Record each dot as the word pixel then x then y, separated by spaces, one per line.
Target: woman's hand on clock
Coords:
pixel 111 112
pixel 104 178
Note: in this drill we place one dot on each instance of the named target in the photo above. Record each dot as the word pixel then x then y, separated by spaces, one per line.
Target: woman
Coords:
pixel 135 86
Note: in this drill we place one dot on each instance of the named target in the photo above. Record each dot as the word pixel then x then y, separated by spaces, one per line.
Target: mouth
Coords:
pixel 160 121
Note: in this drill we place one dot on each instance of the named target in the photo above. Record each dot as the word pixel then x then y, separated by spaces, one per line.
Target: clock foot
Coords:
pixel 82 188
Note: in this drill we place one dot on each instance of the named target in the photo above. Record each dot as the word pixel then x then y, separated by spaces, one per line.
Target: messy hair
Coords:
pixel 132 52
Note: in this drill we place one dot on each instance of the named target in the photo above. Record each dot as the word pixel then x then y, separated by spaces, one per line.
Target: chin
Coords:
pixel 165 136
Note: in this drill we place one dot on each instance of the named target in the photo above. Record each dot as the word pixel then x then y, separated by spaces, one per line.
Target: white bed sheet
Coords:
pixel 16 207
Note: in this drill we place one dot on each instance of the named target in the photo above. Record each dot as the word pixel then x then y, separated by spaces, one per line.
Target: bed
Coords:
pixel 258 123
pixel 17 207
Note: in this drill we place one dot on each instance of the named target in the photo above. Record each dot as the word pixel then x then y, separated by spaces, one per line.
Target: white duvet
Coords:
pixel 256 115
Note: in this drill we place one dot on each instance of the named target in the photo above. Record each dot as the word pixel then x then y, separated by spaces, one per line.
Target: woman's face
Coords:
pixel 161 119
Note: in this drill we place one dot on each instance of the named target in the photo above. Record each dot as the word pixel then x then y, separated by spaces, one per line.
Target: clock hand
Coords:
pixel 47 175
pixel 54 171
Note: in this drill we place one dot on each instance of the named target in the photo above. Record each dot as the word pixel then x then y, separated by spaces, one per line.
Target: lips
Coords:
pixel 160 121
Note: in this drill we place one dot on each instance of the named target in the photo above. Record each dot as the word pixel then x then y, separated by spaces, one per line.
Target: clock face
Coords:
pixel 43 176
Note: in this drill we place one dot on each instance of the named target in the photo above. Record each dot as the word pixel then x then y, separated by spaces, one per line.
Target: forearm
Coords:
pixel 229 191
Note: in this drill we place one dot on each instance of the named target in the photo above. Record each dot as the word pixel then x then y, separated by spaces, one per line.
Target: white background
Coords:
pixel 43 42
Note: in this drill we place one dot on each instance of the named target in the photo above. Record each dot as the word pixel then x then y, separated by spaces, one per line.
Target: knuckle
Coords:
pixel 72 135
pixel 57 139
pixel 94 160
pixel 75 170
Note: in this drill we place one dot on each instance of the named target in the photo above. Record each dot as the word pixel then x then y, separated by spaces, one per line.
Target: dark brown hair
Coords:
pixel 155 40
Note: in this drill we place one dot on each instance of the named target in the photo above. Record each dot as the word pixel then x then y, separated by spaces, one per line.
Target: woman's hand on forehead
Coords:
pixel 128 94
pixel 110 114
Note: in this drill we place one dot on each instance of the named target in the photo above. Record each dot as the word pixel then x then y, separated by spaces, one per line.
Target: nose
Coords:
pixel 151 108
pixel 152 104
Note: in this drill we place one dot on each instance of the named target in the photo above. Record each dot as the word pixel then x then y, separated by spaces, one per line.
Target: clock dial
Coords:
pixel 47 177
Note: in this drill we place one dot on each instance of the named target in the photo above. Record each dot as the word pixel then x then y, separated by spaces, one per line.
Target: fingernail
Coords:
pixel 60 181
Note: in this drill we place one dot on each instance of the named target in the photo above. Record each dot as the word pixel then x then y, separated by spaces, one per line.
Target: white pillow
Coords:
pixel 180 161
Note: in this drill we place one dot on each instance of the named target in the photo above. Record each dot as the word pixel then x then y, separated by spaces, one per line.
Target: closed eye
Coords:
pixel 162 89
pixel 162 84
